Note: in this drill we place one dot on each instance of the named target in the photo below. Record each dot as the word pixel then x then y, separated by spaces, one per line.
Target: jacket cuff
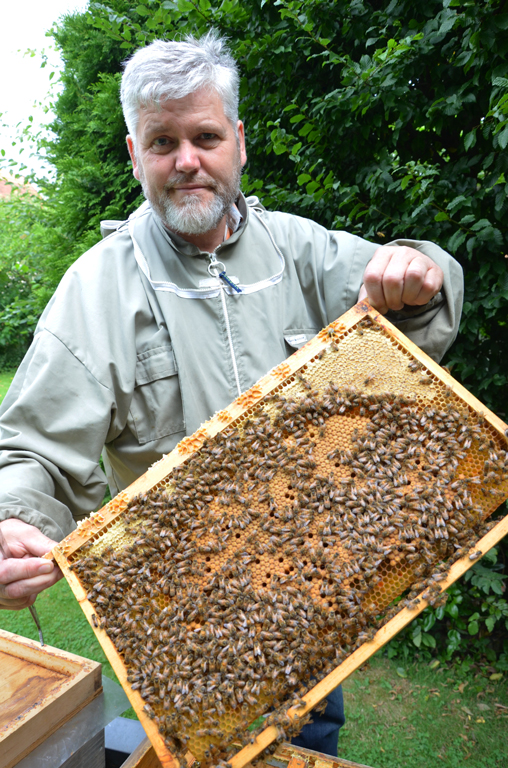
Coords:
pixel 45 524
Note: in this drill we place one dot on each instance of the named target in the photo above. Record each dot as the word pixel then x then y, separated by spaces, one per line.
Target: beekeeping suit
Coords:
pixel 146 337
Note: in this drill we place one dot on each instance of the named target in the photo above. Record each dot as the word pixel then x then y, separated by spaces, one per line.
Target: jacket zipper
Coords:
pixel 215 271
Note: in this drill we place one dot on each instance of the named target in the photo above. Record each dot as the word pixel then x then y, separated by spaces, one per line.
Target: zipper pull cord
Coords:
pixel 227 280
pixel 213 269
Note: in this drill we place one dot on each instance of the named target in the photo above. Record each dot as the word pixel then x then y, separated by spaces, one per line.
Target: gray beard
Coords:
pixel 192 216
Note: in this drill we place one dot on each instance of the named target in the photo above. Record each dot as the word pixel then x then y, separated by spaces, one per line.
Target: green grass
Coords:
pixel 420 717
pixel 63 623
pixel 5 381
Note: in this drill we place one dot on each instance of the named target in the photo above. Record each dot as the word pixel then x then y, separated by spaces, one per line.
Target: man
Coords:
pixel 181 309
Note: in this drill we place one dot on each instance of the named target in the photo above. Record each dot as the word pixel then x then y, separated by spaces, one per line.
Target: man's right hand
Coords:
pixel 24 573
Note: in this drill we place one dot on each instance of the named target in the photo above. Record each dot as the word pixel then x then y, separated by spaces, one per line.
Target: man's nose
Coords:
pixel 187 158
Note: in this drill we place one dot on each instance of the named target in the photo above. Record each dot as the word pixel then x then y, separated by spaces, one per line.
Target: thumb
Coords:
pixel 19 569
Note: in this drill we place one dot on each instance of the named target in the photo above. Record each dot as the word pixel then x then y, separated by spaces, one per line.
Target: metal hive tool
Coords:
pixel 255 567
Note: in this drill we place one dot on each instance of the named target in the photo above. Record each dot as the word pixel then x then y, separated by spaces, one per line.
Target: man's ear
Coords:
pixel 241 139
pixel 132 153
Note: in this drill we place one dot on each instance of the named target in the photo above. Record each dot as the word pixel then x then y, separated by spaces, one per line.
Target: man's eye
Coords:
pixel 208 136
pixel 161 142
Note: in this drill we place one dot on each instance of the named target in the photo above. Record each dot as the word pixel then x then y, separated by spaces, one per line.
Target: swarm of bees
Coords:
pixel 284 543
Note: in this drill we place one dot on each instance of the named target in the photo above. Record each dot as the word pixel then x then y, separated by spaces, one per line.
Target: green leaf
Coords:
pixel 441 216
pixel 470 139
pixel 456 240
pixel 142 10
pixel 481 224
pixel 473 627
pixel 502 138
pixel 303 178
pixel 307 128
pixel 501 21
pixel 405 181
pixel 456 202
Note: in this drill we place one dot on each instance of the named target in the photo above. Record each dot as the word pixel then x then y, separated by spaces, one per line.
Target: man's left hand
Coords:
pixel 399 276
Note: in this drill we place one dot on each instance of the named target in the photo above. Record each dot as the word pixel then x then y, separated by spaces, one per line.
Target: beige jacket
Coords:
pixel 140 344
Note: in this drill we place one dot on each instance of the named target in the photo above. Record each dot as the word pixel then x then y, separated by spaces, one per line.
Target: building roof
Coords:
pixel 10 184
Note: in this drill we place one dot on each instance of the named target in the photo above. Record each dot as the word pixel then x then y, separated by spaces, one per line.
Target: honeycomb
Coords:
pixel 283 538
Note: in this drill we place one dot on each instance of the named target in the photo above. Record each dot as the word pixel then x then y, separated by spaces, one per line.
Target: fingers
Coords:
pixel 373 279
pixel 17 605
pixel 24 539
pixel 397 276
pixel 23 576
pixel 21 580
pixel 422 282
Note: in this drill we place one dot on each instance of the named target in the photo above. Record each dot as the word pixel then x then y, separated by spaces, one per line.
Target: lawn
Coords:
pixel 5 381
pixel 425 718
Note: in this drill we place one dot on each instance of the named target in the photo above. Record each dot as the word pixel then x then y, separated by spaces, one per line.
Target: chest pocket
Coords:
pixel 156 408
pixel 296 338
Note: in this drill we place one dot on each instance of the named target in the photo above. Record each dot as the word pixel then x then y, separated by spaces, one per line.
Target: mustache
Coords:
pixel 189 178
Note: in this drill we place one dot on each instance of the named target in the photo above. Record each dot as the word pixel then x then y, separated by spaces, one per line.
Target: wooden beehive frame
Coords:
pixel 99 522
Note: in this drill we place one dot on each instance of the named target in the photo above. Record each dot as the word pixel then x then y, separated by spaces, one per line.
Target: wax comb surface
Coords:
pixel 273 542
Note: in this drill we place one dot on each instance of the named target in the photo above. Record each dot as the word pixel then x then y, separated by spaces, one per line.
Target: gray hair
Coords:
pixel 171 70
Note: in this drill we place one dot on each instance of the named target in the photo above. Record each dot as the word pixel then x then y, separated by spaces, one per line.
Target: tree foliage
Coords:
pixel 20 276
pixel 385 118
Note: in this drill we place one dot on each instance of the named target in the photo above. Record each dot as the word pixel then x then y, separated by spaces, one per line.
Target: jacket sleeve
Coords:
pixel 432 327
pixel 54 423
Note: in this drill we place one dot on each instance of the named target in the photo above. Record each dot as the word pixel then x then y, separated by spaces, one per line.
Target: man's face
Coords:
pixel 189 160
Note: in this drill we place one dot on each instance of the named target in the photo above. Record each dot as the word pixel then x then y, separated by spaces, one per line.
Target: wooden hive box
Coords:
pixel 40 689
pixel 271 548
pixel 286 756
